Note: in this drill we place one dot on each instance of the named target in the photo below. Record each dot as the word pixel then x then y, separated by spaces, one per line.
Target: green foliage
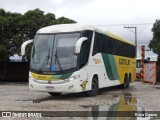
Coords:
pixel 155 42
pixel 3 53
pixel 63 20
pixel 16 28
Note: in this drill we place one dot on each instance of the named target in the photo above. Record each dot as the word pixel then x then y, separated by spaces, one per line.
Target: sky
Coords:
pixel 112 15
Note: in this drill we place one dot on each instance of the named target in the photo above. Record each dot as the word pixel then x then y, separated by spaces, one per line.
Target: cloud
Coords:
pixel 92 11
pixel 98 12
pixel 23 6
pixel 110 11
pixel 74 4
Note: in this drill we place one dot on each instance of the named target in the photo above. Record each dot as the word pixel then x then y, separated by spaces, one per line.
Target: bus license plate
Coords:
pixel 49 87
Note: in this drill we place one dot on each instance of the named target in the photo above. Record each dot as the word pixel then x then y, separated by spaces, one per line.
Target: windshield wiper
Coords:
pixel 57 59
pixel 46 59
pixel 48 56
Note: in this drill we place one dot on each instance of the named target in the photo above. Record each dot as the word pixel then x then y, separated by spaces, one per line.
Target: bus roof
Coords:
pixel 78 27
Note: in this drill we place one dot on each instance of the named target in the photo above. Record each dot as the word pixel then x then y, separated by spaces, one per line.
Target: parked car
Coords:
pixel 138 76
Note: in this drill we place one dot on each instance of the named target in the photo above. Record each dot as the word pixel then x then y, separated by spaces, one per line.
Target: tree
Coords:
pixel 63 20
pixel 16 28
pixel 3 53
pixel 155 42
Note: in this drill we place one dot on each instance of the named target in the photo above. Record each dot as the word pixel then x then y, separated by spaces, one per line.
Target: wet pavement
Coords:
pixel 138 100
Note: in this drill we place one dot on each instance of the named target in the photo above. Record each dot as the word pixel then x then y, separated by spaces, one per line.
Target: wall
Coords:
pixel 14 71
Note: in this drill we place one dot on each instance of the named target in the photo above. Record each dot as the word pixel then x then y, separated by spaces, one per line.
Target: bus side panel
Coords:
pixel 98 64
pixel 126 65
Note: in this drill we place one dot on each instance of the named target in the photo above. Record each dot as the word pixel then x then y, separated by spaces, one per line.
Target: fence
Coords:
pixel 14 71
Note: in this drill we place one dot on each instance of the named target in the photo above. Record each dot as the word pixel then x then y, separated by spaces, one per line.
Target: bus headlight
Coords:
pixel 73 77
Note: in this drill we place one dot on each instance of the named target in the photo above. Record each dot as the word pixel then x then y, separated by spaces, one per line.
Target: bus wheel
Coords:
pixel 126 82
pixel 94 88
pixel 55 94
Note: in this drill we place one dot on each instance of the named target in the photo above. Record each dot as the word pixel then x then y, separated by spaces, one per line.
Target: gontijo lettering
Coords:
pixel 124 62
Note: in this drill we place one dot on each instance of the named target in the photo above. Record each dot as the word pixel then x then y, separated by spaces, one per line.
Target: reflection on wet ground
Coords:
pixel 124 107
pixel 51 98
pixel 157 87
pixel 116 106
pixel 121 106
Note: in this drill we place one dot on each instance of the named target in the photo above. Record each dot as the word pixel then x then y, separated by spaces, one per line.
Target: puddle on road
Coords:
pixel 125 102
pixel 29 100
pixel 123 106
pixel 35 100
pixel 157 87
pixel 24 100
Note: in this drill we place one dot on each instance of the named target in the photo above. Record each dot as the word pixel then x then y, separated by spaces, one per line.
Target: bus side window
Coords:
pixel 110 46
pixel 84 53
pixel 96 45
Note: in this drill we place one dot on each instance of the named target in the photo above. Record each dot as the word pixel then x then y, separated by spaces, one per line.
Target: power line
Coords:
pixel 135 32
pixel 139 24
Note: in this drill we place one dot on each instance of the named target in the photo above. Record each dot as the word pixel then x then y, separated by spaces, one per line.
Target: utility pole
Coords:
pixel 135 32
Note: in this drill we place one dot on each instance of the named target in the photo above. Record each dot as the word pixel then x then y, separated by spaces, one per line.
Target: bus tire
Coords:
pixel 55 94
pixel 94 88
pixel 126 82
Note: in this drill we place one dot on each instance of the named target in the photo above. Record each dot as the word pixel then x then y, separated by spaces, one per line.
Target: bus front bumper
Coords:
pixel 73 86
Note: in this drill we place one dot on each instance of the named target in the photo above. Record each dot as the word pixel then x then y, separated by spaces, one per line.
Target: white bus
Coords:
pixel 71 58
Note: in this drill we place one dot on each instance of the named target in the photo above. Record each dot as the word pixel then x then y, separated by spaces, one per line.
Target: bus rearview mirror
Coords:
pixel 23 46
pixel 79 43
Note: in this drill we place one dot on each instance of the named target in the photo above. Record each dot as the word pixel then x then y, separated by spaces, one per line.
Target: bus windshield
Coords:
pixel 54 52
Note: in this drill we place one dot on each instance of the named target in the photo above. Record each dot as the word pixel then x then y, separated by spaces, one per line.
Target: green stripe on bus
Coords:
pixel 63 76
pixel 110 66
